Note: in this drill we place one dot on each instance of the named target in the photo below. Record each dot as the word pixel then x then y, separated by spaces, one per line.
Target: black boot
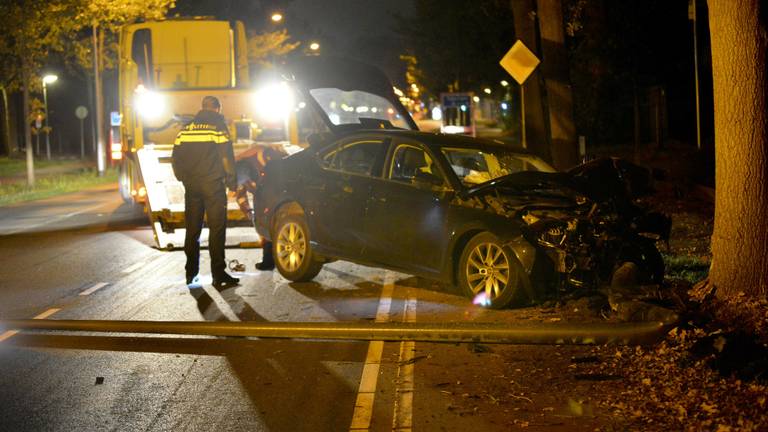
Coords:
pixel 265 266
pixel 225 281
pixel 267 261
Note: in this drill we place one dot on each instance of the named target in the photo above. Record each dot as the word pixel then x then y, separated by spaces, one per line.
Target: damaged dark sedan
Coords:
pixel 498 223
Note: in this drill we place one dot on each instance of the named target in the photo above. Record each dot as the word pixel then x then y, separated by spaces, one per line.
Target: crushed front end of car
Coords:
pixel 585 224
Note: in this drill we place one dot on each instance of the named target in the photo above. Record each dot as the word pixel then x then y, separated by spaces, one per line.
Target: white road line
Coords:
pixel 402 420
pixel 134 267
pixel 366 392
pixel 94 288
pixel 47 313
pixel 55 219
pixel 44 315
pixel 8 335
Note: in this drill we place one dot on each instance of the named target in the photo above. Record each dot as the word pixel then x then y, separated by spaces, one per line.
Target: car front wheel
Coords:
pixel 293 253
pixel 489 273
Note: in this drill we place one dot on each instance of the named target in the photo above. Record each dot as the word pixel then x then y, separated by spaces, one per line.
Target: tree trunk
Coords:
pixel 526 30
pixel 557 80
pixel 740 239
pixel 6 123
pixel 27 128
pixel 100 142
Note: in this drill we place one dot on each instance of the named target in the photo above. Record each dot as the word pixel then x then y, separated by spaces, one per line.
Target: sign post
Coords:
pixel 81 113
pixel 38 127
pixel 520 62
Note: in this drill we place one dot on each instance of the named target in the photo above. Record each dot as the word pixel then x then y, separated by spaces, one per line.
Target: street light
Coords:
pixel 48 79
pixel 277 17
pixel 314 46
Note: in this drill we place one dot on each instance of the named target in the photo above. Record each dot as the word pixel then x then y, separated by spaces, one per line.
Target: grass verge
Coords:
pixel 690 268
pixel 10 167
pixel 49 186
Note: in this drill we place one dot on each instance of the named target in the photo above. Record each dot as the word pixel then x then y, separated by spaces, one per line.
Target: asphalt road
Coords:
pixel 88 256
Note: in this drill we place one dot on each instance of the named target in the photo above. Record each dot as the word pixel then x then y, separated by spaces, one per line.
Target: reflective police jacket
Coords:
pixel 203 151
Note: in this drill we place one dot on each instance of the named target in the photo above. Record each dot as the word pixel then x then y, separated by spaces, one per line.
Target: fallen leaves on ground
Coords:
pixel 665 388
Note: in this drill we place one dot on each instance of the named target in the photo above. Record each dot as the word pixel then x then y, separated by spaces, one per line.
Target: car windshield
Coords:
pixel 354 107
pixel 474 166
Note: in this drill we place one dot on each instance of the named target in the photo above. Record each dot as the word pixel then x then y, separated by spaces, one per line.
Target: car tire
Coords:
pixel 489 272
pixel 291 249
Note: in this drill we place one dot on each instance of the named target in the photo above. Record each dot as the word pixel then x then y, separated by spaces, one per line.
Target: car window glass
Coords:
pixel 355 158
pixel 474 166
pixel 407 160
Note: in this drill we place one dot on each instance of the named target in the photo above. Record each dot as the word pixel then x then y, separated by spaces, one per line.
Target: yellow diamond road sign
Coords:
pixel 520 62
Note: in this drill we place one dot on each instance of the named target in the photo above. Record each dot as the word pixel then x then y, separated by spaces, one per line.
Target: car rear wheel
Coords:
pixel 489 273
pixel 293 254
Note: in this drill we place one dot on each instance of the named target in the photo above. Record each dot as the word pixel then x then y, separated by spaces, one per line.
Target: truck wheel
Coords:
pixel 124 185
pixel 489 273
pixel 293 254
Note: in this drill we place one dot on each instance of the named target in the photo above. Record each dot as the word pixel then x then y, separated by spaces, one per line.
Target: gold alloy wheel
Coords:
pixel 291 246
pixel 488 270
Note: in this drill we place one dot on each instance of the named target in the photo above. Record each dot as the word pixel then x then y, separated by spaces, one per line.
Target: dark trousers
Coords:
pixel 205 198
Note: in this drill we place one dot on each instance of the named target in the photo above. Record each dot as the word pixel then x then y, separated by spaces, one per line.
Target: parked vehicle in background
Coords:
pixel 458 113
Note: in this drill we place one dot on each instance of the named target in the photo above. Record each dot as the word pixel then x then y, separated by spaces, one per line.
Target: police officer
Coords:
pixel 203 160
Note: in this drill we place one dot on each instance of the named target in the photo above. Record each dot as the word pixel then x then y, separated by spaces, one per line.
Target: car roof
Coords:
pixel 438 140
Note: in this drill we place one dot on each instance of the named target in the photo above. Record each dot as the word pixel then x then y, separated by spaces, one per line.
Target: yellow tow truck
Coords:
pixel 166 68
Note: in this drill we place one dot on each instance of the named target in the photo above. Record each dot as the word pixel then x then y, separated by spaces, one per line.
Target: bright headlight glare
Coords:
pixel 274 102
pixel 148 104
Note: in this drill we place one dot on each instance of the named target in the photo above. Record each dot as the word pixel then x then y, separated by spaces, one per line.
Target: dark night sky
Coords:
pixel 363 29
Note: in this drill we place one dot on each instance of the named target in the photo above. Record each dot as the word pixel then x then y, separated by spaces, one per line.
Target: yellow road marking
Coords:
pixel 402 419
pixel 47 313
pixel 361 417
pixel 94 288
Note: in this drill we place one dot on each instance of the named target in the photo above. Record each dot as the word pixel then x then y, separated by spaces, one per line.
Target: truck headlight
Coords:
pixel 148 104
pixel 274 102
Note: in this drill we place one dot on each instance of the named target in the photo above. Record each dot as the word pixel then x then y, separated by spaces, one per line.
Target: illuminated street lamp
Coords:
pixel 48 79
pixel 487 90
pixel 314 46
pixel 277 17
pixel 504 83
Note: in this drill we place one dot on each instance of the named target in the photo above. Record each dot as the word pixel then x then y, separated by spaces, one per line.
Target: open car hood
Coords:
pixel 318 72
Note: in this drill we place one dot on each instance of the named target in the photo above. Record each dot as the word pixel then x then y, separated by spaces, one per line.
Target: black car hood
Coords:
pixel 311 72
pixel 527 182
pixel 599 180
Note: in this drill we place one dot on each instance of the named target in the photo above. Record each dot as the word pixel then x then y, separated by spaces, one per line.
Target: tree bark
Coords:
pixel 740 240
pixel 557 80
pixel 6 123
